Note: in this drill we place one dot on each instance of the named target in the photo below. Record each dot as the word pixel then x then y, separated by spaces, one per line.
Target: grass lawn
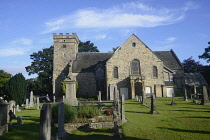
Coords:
pixel 183 121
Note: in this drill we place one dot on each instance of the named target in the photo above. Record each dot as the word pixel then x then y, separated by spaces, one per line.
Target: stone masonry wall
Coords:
pixel 125 54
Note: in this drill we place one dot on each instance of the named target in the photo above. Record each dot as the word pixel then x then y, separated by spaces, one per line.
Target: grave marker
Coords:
pixel 153 105
pixel 61 131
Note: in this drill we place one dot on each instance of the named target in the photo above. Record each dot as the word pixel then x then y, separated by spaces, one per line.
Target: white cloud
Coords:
pixel 133 14
pixel 169 40
pixel 101 36
pixel 16 47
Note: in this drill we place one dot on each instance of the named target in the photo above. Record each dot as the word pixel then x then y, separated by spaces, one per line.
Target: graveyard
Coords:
pixel 184 120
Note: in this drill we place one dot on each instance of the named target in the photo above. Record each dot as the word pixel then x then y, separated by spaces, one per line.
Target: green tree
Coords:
pixel 42 65
pixel 190 65
pixel 87 47
pixel 114 49
pixel 206 54
pixel 4 78
pixel 17 88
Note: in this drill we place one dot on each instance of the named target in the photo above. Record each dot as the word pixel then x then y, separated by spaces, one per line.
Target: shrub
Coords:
pixel 88 112
pixel 70 113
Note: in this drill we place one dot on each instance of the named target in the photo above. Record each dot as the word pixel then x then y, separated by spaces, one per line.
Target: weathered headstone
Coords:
pixel 11 116
pixel 64 98
pixel 61 131
pixel 185 95
pixel 205 97
pixel 45 122
pixel 140 99
pixel 12 105
pixel 123 109
pixel 116 126
pixel 31 104
pixel 137 98
pixel 153 105
pixel 27 105
pixel 99 96
pixel 17 108
pixel 173 102
pixel 3 117
pixel 19 120
pixel 53 99
pixel 37 104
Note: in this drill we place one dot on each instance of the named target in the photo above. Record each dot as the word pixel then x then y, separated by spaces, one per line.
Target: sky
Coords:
pixel 26 26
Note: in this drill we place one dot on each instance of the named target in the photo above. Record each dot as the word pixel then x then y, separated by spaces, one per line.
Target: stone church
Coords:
pixel 133 69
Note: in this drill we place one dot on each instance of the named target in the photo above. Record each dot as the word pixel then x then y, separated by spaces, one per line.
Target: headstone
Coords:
pixel 63 98
pixel 12 105
pixel 140 99
pixel 45 122
pixel 153 105
pixel 185 95
pixel 31 104
pixel 173 102
pixel 19 120
pixel 3 117
pixel 116 126
pixel 205 97
pixel 61 131
pixel 11 116
pixel 137 98
pixel 37 104
pixel 17 108
pixel 53 99
pixel 27 105
pixel 123 109
pixel 99 96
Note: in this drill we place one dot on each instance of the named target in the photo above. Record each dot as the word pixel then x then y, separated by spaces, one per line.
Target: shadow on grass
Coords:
pixel 196 117
pixel 34 119
pixel 184 130
pixel 137 112
pixel 191 110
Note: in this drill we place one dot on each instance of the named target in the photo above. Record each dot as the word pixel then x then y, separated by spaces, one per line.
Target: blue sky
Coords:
pixel 26 26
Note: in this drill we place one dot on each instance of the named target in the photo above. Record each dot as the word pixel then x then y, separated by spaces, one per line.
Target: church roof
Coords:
pixel 169 59
pixel 195 79
pixel 87 62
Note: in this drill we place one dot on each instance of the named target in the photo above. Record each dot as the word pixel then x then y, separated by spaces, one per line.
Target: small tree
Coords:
pixel 206 54
pixel 17 88
pixel 4 78
pixel 190 65
pixel 87 47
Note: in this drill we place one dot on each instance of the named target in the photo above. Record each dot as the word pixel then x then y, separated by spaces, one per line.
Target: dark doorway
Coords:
pixel 138 89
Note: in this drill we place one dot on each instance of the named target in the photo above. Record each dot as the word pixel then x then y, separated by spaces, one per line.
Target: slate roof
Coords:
pixel 169 59
pixel 87 62
pixel 195 79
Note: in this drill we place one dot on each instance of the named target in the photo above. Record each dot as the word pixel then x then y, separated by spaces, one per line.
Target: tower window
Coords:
pixel 115 72
pixel 155 72
pixel 64 46
pixel 133 44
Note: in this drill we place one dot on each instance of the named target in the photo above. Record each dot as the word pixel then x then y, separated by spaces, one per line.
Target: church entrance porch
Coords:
pixel 137 86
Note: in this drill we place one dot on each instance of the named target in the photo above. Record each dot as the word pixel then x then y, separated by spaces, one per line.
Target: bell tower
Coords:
pixel 65 49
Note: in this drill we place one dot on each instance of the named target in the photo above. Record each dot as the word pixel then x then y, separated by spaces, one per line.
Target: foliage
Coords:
pixel 70 113
pixel 206 73
pixel 87 47
pixel 191 66
pixel 4 78
pixel 88 112
pixel 42 64
pixel 63 87
pixel 206 54
pixel 114 49
pixel 17 88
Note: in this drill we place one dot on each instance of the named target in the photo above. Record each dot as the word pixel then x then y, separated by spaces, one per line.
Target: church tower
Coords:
pixel 65 49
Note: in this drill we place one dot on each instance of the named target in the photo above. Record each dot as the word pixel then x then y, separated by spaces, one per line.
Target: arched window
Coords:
pixel 100 79
pixel 115 72
pixel 135 67
pixel 155 72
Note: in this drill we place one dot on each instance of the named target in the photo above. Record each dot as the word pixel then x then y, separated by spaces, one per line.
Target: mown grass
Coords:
pixel 185 120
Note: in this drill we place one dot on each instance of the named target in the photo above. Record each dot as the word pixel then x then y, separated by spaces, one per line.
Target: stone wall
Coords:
pixel 128 52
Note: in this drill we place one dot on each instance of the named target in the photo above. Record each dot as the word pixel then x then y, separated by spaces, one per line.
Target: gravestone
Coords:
pixel 11 116
pixel 53 99
pixel 17 108
pixel 37 104
pixel 31 104
pixel 116 126
pixel 99 96
pixel 3 117
pixel 123 109
pixel 153 105
pixel 61 131
pixel 140 99
pixel 45 122
pixel 185 95
pixel 173 102
pixel 19 120
pixel 63 98
pixel 137 98
pixel 27 105
pixel 12 105
pixel 205 97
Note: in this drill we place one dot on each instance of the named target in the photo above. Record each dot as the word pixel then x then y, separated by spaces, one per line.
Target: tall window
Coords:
pixel 135 67
pixel 100 79
pixel 155 72
pixel 115 72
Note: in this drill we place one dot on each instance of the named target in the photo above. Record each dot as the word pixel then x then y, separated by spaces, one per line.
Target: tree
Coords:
pixel 206 54
pixel 114 49
pixel 87 47
pixel 17 88
pixel 42 65
pixel 4 78
pixel 190 65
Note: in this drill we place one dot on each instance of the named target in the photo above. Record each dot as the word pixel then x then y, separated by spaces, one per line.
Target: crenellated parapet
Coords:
pixel 65 38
